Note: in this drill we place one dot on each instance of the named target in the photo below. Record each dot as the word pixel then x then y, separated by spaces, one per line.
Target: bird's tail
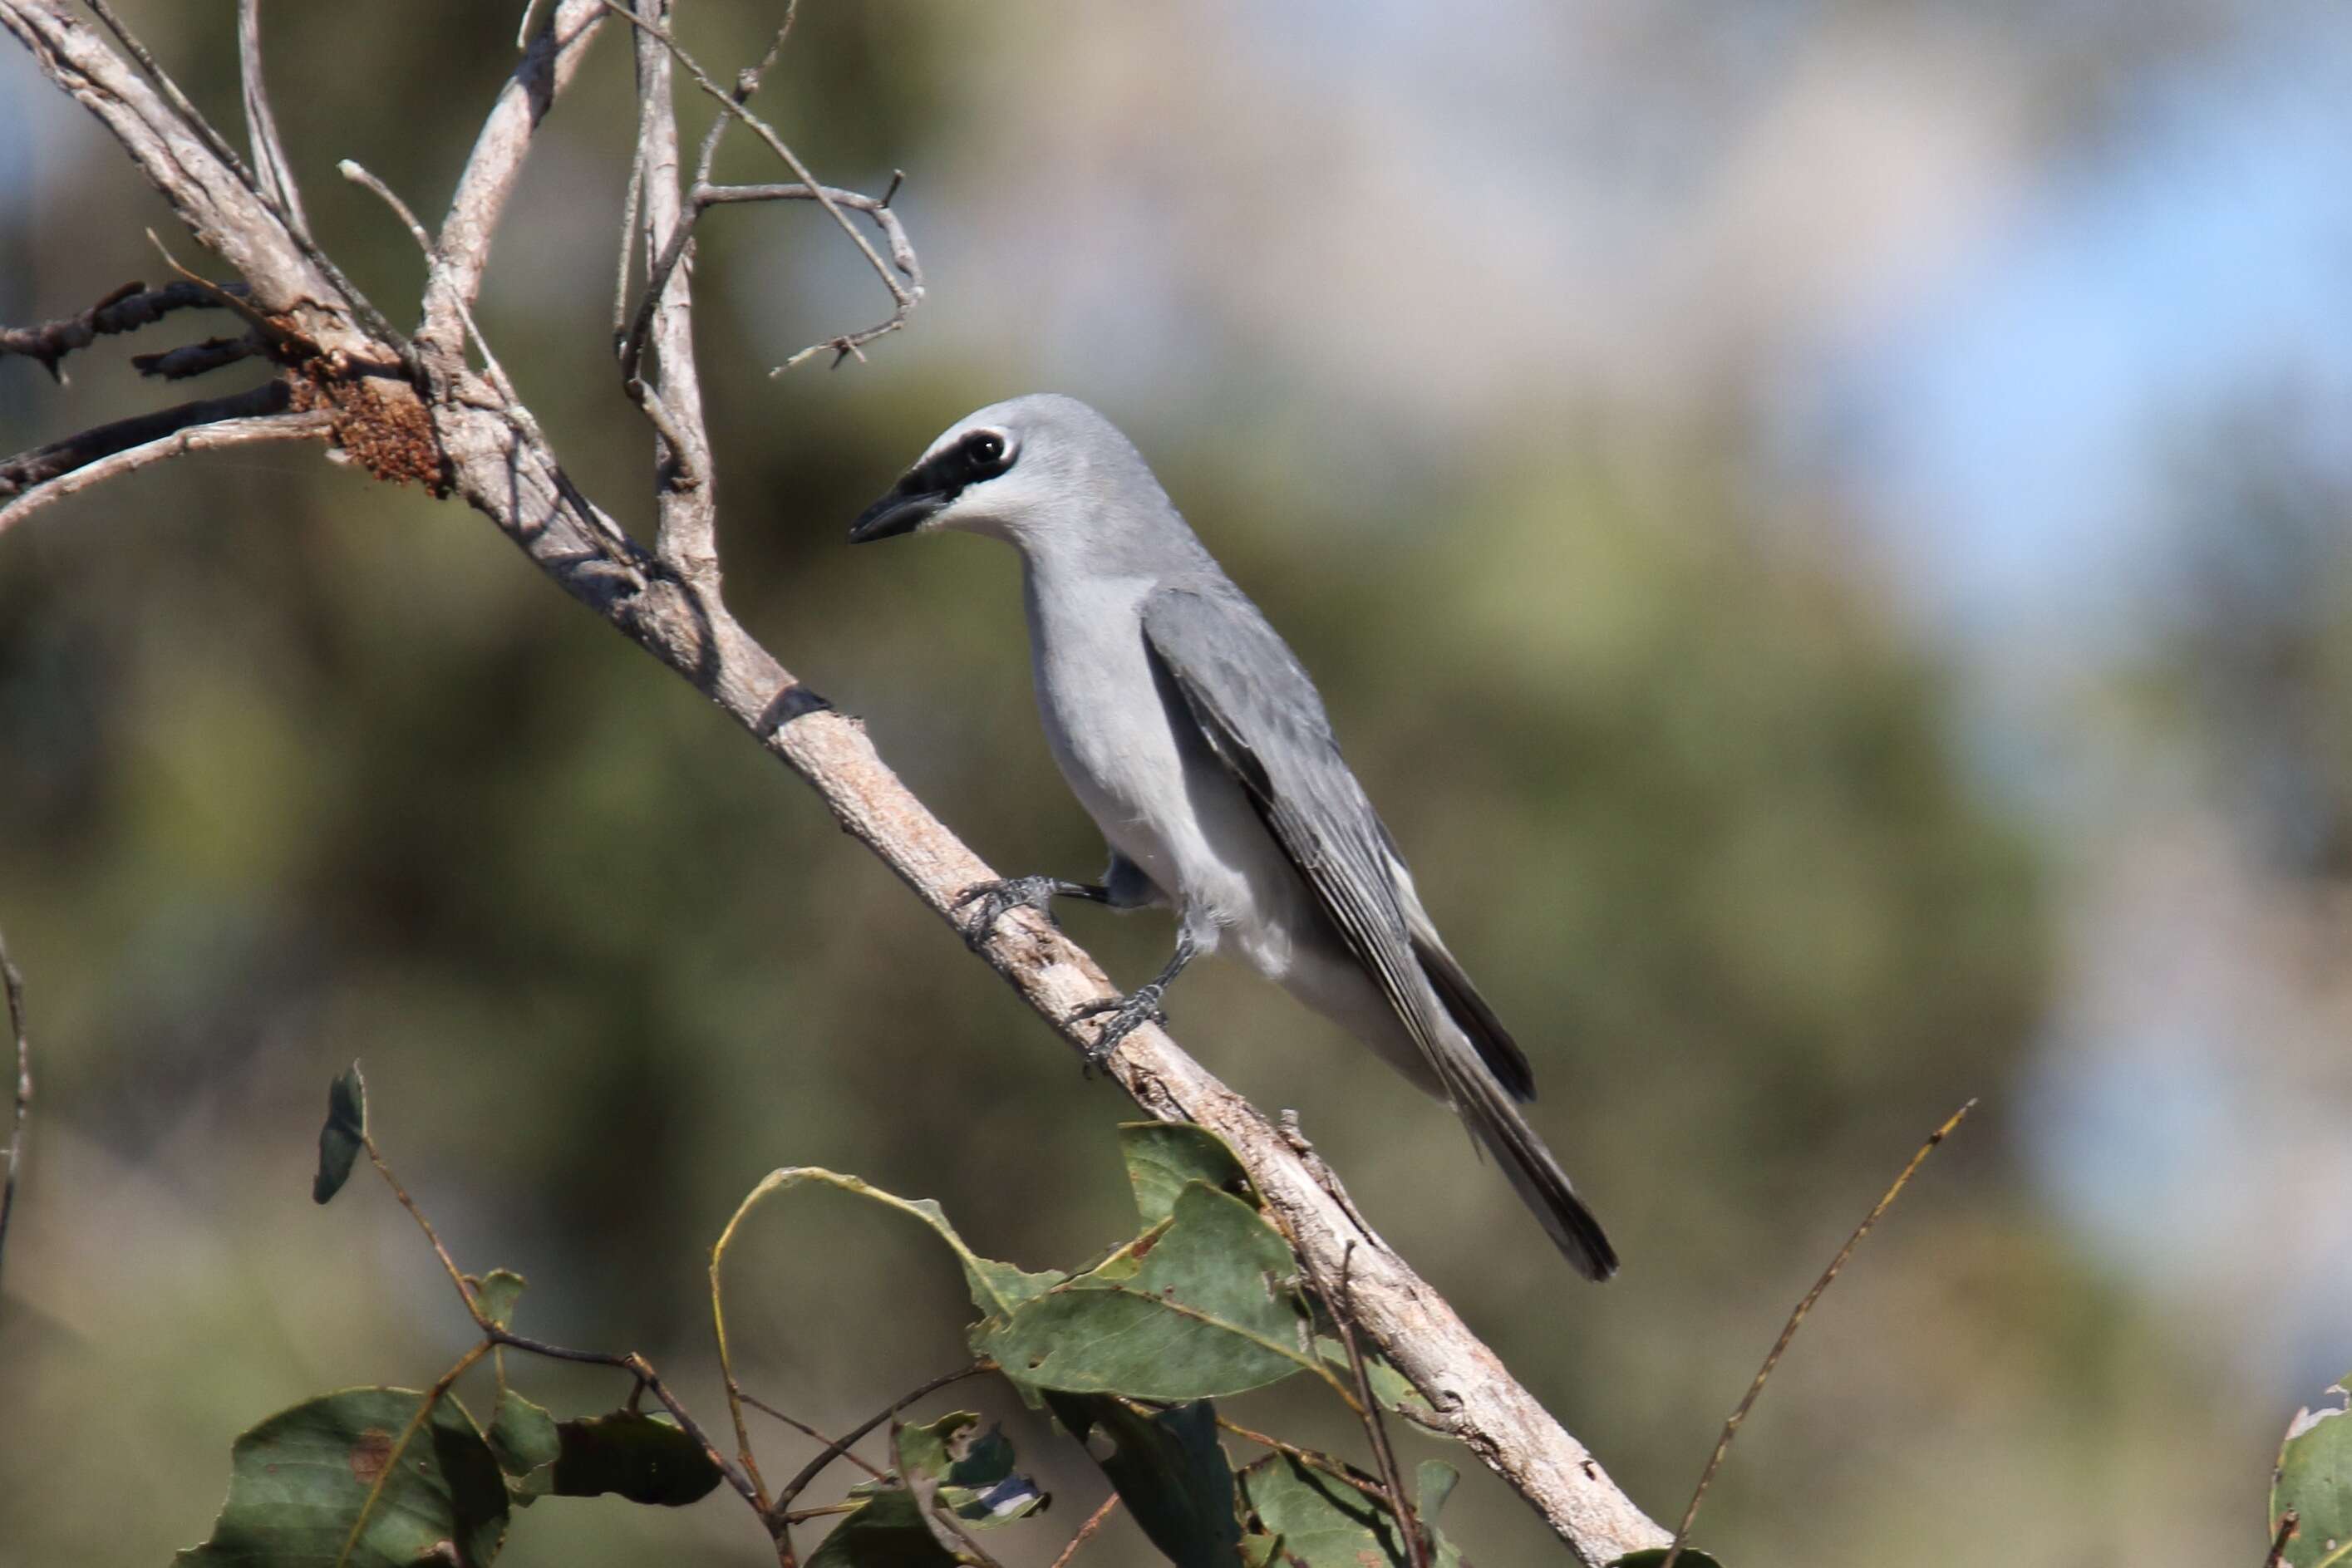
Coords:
pixel 1542 1184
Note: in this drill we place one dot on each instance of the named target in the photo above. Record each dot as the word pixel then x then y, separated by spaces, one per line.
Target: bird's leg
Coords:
pixel 996 899
pixel 1127 1013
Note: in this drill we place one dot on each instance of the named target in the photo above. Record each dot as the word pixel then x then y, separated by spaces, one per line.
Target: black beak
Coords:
pixel 906 509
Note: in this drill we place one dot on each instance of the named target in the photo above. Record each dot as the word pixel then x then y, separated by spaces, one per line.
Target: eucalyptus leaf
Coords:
pixel 525 1441
pixel 1324 1523
pixel 2315 1478
pixel 1169 1469
pixel 1432 1484
pixel 1162 1156
pixel 343 1135
pixel 496 1292
pixel 335 1470
pixel 642 1458
pixel 886 1530
pixel 1201 1308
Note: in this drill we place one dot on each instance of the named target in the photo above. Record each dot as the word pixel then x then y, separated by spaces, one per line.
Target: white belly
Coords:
pixel 1149 781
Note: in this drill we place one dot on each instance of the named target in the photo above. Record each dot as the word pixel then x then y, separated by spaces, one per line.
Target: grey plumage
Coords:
pixel 1199 745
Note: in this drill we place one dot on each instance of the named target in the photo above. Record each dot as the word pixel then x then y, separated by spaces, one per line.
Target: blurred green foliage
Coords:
pixel 298 768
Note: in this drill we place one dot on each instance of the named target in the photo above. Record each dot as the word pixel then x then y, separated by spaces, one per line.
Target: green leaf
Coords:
pixel 300 1481
pixel 644 1458
pixel 526 1443
pixel 996 1288
pixel 2315 1478
pixel 1390 1387
pixel 1431 1485
pixel 342 1137
pixel 1655 1557
pixel 1261 1551
pixel 1162 1156
pixel 886 1530
pixel 496 1292
pixel 1324 1523
pixel 1201 1308
pixel 1167 1468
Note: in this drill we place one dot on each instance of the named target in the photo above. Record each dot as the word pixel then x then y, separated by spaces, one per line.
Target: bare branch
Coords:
pixel 904 298
pixel 1416 1544
pixel 464 251
pixel 44 464
pixel 685 541
pixel 14 983
pixel 127 310
pixel 275 175
pixel 190 360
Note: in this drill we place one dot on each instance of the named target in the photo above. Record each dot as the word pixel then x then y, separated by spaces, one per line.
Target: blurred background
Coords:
pixel 1821 525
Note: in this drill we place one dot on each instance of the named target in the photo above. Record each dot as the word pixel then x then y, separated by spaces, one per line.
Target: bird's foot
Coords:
pixel 998 899
pixel 1121 1016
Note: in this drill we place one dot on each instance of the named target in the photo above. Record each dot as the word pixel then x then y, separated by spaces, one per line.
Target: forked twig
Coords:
pixel 1747 1401
pixel 1087 1531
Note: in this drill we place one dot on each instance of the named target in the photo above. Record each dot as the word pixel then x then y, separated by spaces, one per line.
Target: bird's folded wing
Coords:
pixel 1261 716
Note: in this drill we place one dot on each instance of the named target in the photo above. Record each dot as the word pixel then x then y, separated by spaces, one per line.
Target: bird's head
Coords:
pixel 1040 472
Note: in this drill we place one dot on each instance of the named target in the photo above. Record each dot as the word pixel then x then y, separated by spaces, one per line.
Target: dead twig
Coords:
pixel 834 1450
pixel 127 308
pixel 903 297
pixel 1416 1545
pixel 2290 1522
pixel 1779 1346
pixel 13 984
pixel 309 424
pixel 1087 1531
pixel 275 174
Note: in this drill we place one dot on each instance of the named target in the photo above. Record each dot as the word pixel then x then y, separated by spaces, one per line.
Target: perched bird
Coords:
pixel 1195 741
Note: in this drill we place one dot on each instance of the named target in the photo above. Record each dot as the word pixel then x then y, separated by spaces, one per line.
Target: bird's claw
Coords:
pixel 1000 898
pixel 1124 1015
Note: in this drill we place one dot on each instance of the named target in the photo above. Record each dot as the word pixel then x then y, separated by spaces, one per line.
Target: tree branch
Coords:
pixel 127 308
pixel 273 174
pixel 43 464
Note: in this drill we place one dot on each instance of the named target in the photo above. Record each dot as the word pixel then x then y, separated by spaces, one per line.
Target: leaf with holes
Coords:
pixel 1167 1468
pixel 966 1467
pixel 1200 1306
pixel 358 1468
pixel 2315 1478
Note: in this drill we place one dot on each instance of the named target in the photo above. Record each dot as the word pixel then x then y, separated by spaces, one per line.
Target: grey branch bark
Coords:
pixel 457 432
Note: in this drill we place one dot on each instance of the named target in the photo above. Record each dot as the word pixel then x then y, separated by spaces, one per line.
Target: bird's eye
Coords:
pixel 985 450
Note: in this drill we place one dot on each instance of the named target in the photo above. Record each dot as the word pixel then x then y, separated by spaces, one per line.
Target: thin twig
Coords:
pixel 1747 1401
pixel 1337 1470
pixel 14 985
pixel 1408 1523
pixel 805 1430
pixel 903 297
pixel 2289 1523
pixel 1087 1531
pixel 306 425
pixel 43 464
pixel 834 1450
pixel 269 161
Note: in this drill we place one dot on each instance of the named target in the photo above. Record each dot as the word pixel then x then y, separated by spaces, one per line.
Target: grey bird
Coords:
pixel 1194 739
